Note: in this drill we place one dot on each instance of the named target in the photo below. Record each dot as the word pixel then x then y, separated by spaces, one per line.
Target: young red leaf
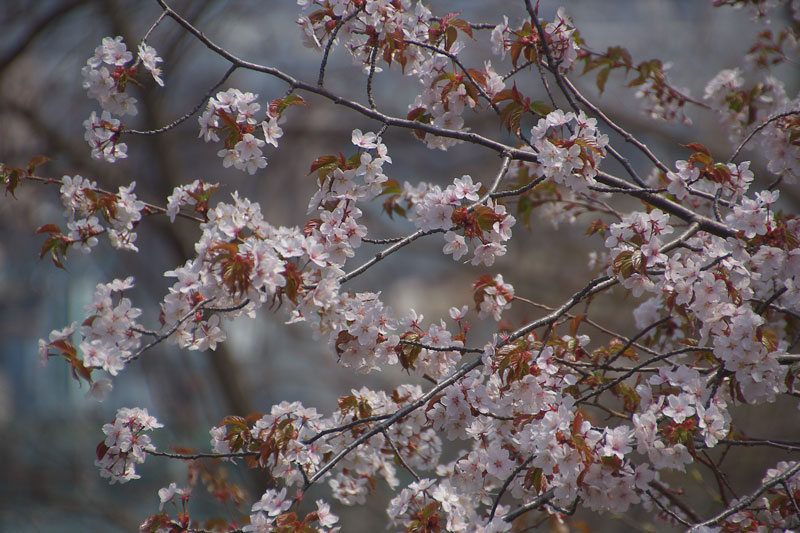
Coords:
pixel 36 161
pixel 322 161
pixel 49 228
pixel 464 26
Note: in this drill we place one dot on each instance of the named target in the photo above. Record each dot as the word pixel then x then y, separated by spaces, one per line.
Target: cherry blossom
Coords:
pixel 126 444
pixel 539 410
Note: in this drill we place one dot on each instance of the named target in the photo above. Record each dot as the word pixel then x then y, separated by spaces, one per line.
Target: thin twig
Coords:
pixel 495 184
pixel 637 368
pixel 397 415
pixel 507 483
pixel 324 63
pixel 370 97
pixel 455 60
pixel 388 251
pixel 521 190
pixel 788 445
pixel 153 26
pixel 188 115
pixel 636 337
pixel 461 349
pixel 677 502
pixel 669 511
pixel 748 500
pixel 391 240
pixel 790 494
pixel 760 127
pixel 345 427
pixel 592 323
pixel 162 336
pixel 531 505
pixel 617 128
pixel 191 456
pixel 400 456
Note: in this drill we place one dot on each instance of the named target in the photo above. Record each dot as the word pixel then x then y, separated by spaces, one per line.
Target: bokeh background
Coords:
pixel 49 429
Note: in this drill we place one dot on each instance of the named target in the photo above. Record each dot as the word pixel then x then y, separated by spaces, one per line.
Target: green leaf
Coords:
pixel 524 209
pixel 11 178
pixel 541 108
pixel 451 34
pixel 602 78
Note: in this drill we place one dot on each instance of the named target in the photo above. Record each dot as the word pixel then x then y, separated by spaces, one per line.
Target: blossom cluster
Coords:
pixel 109 336
pixel 636 243
pixel 728 182
pixel 228 271
pixel 559 36
pixel 760 10
pixel 458 211
pixel 660 101
pixel 270 511
pixel 444 99
pixel 126 444
pixel 108 86
pixel 195 195
pixel 232 115
pixel 413 438
pixel 282 433
pixel 106 77
pixel 775 503
pixel 367 27
pixel 83 202
pixel 292 450
pixel 717 319
pixel 569 160
pixel 762 108
pixel 718 283
pixel 423 45
pixel 492 296
pixel 102 134
pixel 342 183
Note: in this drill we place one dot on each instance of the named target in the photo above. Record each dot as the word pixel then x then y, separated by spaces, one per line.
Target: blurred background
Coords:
pixel 50 429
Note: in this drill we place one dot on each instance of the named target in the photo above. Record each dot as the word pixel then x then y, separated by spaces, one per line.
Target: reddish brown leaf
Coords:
pixel 36 161
pixel 322 161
